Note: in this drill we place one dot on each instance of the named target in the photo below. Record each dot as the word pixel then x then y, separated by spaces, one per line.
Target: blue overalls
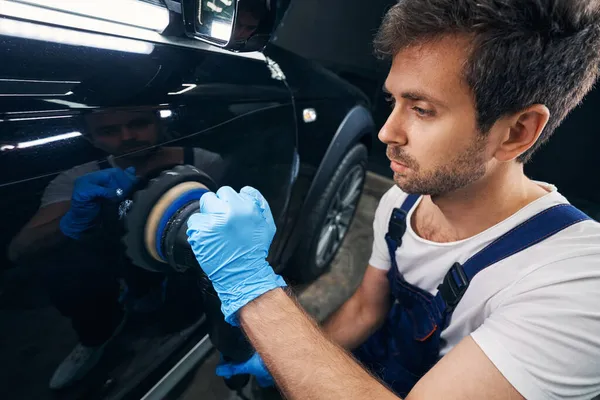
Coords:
pixel 408 343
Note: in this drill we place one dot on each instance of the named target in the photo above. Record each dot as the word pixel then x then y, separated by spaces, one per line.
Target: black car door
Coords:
pixel 71 105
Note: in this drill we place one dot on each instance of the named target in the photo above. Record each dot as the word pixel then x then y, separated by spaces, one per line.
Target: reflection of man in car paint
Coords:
pixel 249 16
pixel 131 139
pixel 246 25
pixel 123 132
pixel 84 278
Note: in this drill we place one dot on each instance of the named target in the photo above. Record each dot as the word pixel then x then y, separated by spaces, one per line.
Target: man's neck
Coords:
pixel 473 209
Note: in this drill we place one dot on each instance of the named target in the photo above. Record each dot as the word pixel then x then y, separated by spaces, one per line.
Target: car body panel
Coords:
pixel 67 110
pixel 54 101
pixel 155 102
pixel 333 100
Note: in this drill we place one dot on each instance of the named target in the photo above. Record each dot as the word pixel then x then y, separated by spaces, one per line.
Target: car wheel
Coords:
pixel 330 219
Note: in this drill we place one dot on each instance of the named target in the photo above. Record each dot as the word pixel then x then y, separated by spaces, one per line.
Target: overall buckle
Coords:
pixel 451 290
pixel 397 225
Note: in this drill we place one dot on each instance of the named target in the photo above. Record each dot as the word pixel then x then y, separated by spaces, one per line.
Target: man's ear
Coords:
pixel 522 130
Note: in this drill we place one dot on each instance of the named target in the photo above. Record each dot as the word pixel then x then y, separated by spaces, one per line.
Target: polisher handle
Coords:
pixel 229 340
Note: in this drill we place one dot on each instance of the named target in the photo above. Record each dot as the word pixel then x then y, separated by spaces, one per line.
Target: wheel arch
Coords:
pixel 357 126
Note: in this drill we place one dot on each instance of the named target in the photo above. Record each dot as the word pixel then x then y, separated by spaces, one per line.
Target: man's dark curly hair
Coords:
pixel 522 52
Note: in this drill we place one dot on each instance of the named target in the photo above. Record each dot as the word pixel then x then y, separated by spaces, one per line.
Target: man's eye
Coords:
pixel 108 131
pixel 390 99
pixel 422 112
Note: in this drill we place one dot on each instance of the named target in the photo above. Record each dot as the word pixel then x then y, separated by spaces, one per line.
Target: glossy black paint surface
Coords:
pixel 65 110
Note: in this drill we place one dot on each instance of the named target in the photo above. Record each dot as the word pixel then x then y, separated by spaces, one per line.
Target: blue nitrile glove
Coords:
pixel 253 366
pixel 230 237
pixel 112 184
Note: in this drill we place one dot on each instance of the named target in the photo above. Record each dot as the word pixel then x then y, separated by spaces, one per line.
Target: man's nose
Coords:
pixel 392 132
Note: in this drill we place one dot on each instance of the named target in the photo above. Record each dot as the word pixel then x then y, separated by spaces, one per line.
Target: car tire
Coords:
pixel 330 219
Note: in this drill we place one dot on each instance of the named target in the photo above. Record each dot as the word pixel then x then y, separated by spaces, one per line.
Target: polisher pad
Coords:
pixel 152 211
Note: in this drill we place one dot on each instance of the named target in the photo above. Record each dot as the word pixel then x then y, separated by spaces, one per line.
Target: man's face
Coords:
pixel 123 132
pixel 431 134
pixel 245 26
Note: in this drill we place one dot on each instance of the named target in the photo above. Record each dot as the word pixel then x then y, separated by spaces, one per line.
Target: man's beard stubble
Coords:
pixel 466 168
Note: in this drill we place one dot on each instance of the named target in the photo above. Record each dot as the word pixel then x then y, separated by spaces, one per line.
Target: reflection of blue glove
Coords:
pixel 84 209
pixel 230 238
pixel 254 366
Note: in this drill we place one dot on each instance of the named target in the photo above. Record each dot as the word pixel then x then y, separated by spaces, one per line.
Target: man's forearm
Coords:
pixel 350 326
pixel 33 242
pixel 304 363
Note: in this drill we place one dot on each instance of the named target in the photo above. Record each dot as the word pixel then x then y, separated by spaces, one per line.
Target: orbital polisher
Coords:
pixel 156 240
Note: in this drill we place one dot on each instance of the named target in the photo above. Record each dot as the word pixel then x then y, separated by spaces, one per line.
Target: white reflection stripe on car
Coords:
pixel 42 15
pixel 39 142
pixel 185 365
pixel 33 31
pixel 130 12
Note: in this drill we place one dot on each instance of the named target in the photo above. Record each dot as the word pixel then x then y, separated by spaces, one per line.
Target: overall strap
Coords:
pixel 397 226
pixel 536 229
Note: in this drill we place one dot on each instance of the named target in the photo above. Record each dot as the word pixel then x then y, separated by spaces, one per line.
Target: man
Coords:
pixel 477 86
pixel 126 136
pixel 76 238
pixel 250 14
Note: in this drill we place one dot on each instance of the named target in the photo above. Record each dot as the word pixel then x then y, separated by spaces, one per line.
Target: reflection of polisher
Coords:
pixel 156 240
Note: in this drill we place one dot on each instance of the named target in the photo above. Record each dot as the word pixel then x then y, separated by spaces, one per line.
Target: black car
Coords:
pixel 167 87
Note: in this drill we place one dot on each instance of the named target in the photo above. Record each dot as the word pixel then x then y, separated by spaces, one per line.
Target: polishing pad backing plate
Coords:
pixel 158 210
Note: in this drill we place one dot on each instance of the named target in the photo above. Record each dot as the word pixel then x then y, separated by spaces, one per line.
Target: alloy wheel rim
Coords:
pixel 339 215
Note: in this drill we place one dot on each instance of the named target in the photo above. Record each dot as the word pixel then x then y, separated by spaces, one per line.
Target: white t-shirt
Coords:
pixel 61 187
pixel 536 314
